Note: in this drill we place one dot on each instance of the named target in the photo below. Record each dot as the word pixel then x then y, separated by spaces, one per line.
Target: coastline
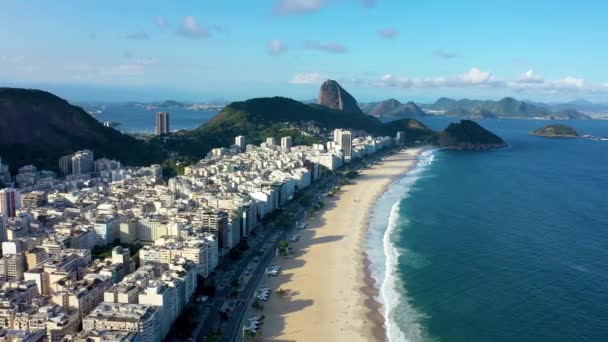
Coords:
pixel 330 292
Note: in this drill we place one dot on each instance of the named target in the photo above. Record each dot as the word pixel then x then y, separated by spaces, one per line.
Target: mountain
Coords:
pixel 507 107
pixel 333 96
pixel 394 109
pixel 580 105
pixel 469 135
pixel 556 131
pixel 38 128
pixel 259 118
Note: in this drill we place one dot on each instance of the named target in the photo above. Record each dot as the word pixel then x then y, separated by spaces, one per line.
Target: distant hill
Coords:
pixel 507 107
pixel 171 104
pixel 556 131
pixel 580 105
pixel 333 96
pixel 393 109
pixel 262 117
pixel 37 127
pixel 469 135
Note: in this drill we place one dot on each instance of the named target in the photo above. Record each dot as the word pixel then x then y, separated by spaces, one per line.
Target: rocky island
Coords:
pixel 468 135
pixel 555 131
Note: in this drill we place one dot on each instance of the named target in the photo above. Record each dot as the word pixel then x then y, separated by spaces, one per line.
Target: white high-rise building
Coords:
pixel 143 319
pixel 83 162
pixel 241 142
pixel 270 142
pixel 400 138
pixel 165 298
pixel 286 143
pixel 344 139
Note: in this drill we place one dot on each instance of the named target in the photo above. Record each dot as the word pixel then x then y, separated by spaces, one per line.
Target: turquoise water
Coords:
pixel 508 245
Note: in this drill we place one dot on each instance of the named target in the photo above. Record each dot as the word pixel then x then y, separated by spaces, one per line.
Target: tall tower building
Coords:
pixel 344 139
pixel 83 162
pixel 3 226
pixel 400 138
pixel 286 143
pixel 270 142
pixel 346 142
pixel 65 164
pixel 10 201
pixel 162 123
pixel 240 141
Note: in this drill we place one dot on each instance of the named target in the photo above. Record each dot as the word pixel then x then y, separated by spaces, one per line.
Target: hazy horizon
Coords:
pixel 378 49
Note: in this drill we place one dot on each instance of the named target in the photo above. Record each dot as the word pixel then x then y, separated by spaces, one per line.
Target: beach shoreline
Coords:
pixel 330 294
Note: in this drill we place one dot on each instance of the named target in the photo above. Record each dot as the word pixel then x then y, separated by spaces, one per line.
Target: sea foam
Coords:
pixel 401 320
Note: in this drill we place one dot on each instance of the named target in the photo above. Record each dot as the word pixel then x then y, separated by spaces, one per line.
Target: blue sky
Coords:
pixel 409 50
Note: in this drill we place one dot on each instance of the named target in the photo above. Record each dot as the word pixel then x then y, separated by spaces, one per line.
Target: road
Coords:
pixel 232 328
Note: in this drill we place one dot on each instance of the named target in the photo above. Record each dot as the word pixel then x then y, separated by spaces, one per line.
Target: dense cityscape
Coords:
pixel 108 252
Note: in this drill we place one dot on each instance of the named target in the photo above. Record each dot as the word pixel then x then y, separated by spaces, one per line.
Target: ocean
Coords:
pixel 137 118
pixel 506 245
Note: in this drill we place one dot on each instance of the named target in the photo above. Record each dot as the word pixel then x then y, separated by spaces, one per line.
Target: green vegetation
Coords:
pixel 394 109
pixel 468 134
pixel 176 166
pixel 281 292
pixel 344 181
pixel 506 107
pixel 284 249
pixel 306 200
pixel 556 131
pixel 351 174
pixel 260 118
pixel 257 305
pixel 61 129
pixel 103 252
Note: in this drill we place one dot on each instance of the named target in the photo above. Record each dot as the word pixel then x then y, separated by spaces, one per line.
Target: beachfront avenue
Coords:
pixel 179 258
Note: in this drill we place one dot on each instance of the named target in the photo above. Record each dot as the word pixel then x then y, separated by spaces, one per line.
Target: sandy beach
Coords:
pixel 329 294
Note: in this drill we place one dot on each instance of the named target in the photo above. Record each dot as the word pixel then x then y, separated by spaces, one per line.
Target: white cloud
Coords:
pixel 326 47
pixel 476 77
pixel 530 77
pixel 276 47
pixel 307 78
pixel 191 28
pixel 289 7
pixel 568 83
pixel 388 33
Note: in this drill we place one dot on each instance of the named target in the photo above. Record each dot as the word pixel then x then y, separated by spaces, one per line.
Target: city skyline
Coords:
pixel 195 51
